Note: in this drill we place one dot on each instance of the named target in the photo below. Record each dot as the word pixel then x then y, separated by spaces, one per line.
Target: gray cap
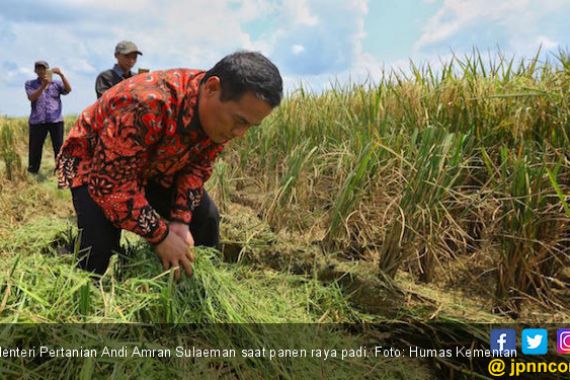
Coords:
pixel 41 63
pixel 126 47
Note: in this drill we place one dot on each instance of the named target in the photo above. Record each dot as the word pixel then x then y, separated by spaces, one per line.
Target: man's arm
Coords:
pixel 190 183
pixel 66 85
pixel 34 94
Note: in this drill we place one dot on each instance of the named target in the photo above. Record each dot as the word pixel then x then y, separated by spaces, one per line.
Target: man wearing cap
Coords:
pixel 126 53
pixel 46 116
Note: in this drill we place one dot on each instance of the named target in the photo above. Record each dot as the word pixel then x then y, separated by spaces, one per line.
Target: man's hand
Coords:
pixel 182 230
pixel 66 85
pixel 45 81
pixel 174 251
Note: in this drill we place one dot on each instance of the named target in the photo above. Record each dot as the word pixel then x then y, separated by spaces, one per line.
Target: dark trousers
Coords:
pixel 37 137
pixel 100 238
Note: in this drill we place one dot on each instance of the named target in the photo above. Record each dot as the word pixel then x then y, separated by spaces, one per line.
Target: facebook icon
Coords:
pixel 503 342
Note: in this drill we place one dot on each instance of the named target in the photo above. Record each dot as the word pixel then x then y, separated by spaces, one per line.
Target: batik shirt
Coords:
pixel 143 129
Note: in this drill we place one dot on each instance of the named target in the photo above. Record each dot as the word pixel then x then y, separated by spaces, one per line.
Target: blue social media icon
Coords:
pixel 503 342
pixel 534 341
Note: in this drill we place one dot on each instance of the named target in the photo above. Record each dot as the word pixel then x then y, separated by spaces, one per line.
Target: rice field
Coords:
pixel 431 195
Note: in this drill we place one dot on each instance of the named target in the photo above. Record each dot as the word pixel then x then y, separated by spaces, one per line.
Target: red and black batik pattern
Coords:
pixel 141 130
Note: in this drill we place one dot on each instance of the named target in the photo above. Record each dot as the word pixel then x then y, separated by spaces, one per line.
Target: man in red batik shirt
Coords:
pixel 137 159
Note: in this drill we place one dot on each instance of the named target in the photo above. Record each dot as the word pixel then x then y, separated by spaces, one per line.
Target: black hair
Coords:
pixel 245 71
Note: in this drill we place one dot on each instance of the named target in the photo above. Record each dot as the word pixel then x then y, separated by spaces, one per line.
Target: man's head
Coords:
pixel 40 68
pixel 126 53
pixel 238 93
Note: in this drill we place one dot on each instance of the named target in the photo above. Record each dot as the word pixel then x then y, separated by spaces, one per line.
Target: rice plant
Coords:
pixel 435 158
pixel 468 105
pixel 351 191
pixel 531 227
pixel 12 162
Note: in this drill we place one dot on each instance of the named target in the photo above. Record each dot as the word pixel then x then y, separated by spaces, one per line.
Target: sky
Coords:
pixel 316 43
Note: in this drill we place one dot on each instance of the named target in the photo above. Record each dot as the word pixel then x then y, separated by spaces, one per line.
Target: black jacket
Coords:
pixel 107 79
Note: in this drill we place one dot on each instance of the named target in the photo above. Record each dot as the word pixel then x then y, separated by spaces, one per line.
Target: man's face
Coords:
pixel 40 71
pixel 223 121
pixel 126 61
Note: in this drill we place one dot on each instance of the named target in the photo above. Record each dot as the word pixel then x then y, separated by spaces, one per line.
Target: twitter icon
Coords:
pixel 534 341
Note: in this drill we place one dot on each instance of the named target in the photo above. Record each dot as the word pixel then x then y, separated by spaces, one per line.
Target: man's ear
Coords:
pixel 212 85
